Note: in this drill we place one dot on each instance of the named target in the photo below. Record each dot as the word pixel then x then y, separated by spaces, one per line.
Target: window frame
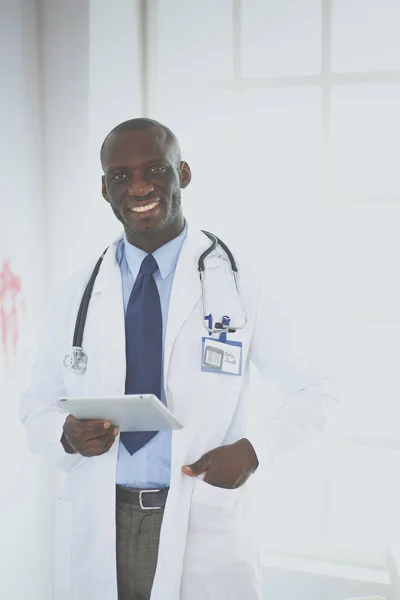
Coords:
pixel 326 81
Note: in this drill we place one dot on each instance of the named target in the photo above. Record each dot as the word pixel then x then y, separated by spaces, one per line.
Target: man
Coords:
pixel 190 539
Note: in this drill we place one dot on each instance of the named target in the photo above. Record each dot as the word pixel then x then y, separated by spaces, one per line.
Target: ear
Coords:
pixel 104 189
pixel 185 174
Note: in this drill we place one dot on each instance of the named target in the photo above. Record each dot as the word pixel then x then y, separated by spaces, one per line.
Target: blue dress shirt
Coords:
pixel 150 467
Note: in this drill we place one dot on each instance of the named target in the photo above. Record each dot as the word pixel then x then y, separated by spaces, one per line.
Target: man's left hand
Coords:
pixel 226 466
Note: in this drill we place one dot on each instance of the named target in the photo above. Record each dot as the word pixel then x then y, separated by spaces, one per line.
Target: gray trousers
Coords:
pixel 138 536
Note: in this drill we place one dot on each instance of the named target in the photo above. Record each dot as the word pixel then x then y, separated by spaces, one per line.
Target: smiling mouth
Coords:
pixel 145 208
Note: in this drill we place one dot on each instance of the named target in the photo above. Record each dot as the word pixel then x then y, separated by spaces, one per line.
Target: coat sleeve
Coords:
pixel 39 411
pixel 306 395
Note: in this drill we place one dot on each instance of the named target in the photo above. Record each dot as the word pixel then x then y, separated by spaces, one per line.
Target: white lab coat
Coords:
pixel 207 550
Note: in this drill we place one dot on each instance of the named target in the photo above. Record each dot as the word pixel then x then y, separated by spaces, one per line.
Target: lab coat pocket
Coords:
pixel 212 525
pixel 209 501
pixel 62 548
pixel 220 555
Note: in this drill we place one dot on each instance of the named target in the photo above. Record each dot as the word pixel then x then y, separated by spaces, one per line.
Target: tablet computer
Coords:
pixel 137 412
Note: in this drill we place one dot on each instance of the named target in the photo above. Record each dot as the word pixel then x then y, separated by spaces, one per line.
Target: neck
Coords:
pixel 150 242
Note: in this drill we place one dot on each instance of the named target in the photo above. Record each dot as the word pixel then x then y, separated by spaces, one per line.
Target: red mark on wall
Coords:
pixel 10 288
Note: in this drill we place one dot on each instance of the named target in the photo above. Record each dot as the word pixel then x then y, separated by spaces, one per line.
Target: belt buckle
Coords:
pixel 141 500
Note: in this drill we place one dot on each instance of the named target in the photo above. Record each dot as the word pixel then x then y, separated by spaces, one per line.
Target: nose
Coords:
pixel 140 186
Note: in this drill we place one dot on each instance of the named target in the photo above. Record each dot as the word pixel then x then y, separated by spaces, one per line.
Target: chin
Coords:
pixel 144 228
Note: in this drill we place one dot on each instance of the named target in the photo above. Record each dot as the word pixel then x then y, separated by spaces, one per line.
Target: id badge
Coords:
pixel 221 357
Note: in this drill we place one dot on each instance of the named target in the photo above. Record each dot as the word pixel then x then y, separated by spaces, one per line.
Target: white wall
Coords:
pixel 25 482
pixel 64 34
pixel 115 95
pixel 92 81
pixel 68 77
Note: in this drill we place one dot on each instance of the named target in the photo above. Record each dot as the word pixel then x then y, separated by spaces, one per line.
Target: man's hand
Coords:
pixel 90 437
pixel 226 466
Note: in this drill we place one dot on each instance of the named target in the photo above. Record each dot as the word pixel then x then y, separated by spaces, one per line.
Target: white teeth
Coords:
pixel 144 208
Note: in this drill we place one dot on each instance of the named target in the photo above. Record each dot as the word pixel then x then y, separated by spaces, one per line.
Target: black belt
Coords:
pixel 144 499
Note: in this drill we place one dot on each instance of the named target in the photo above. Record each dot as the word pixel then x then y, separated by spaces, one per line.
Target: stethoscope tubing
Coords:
pixel 78 360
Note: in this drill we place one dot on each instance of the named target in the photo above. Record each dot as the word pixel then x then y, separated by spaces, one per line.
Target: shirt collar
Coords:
pixel 166 256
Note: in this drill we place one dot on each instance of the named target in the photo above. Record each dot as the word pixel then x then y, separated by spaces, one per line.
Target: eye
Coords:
pixel 118 177
pixel 157 169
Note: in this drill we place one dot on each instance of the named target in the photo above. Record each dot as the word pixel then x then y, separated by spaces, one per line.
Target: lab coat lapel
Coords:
pixel 186 290
pixel 107 309
pixel 108 340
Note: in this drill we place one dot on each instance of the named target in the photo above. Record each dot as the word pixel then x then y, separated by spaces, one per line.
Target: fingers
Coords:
pixel 90 437
pixel 98 446
pixel 187 470
pixel 108 446
pixel 218 479
pixel 225 467
pixel 92 427
pixel 113 432
pixel 213 480
pixel 198 467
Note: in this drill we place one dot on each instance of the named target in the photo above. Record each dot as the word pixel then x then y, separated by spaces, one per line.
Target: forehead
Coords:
pixel 137 147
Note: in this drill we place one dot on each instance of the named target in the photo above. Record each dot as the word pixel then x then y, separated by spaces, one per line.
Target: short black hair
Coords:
pixel 142 123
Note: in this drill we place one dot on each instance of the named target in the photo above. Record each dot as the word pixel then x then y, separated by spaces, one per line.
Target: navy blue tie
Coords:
pixel 143 332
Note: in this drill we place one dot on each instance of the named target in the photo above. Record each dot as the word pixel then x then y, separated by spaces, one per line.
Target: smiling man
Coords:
pixel 161 514
pixel 143 178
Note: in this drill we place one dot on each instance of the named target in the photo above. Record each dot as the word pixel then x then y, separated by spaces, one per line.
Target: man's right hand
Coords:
pixel 89 437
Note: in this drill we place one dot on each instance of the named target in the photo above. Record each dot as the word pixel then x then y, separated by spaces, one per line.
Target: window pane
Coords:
pixel 205 126
pixel 366 346
pixel 370 358
pixel 281 143
pixel 366 35
pixel 367 259
pixel 194 43
pixel 364 500
pixel 280 38
pixel 365 135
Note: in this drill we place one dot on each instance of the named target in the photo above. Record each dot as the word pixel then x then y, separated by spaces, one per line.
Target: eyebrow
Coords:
pixel 153 161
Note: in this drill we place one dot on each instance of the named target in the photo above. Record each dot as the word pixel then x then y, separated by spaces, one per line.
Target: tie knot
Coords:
pixel 149 265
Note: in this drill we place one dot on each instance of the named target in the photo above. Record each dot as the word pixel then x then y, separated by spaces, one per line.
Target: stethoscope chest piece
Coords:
pixel 77 362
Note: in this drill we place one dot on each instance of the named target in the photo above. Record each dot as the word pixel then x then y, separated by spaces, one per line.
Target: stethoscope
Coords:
pixel 77 361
